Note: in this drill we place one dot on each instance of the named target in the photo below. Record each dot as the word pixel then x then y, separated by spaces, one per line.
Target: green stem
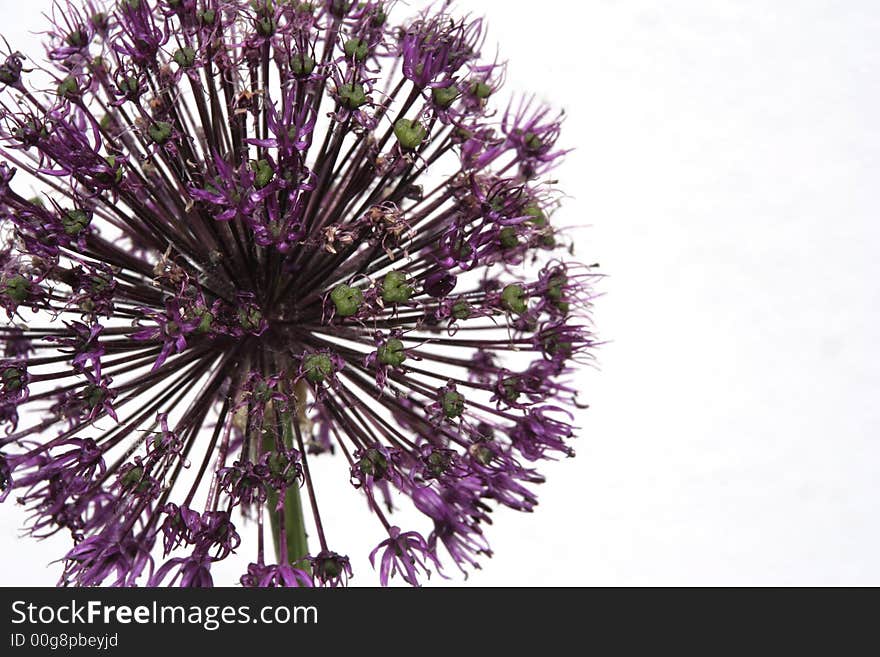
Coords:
pixel 294 523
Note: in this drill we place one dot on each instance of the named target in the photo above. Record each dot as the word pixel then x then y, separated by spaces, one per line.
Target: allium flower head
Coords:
pixel 239 237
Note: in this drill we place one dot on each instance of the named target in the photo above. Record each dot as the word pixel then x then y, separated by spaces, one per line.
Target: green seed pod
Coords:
pixel 75 221
pixel 351 95
pixel 391 353
pixel 185 57
pixel 264 173
pixel 395 288
pixel 68 87
pixel 481 453
pixel 410 134
pixel 207 320
pixel 317 367
pixel 356 49
pixel 132 478
pixel 533 142
pixel 438 462
pixel 12 380
pixel 379 17
pixel 538 218
pixel 160 132
pixel 129 86
pixel 301 65
pixel 507 237
pixel 480 89
pixel 77 39
pixel 347 300
pixel 373 464
pixel 444 96
pixel 461 309
pixel 556 292
pixel 510 386
pixel 99 21
pixel 513 298
pixel 250 318
pixel 17 288
pixel 452 403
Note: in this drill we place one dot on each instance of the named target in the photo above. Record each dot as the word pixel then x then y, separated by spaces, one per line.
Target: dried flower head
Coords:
pixel 258 233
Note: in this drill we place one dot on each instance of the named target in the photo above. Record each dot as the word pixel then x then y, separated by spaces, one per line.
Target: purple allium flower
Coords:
pixel 242 235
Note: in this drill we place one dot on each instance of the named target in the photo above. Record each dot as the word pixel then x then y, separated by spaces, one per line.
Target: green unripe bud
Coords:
pixel 115 174
pixel 160 132
pixel 17 288
pixel 317 367
pixel 263 173
pixel 12 380
pixel 480 89
pixel 75 221
pixel 508 238
pixel 410 134
pixel 438 462
pixel 452 403
pixel 356 49
pixel 339 8
pixel 444 96
pixel 329 568
pixel 373 464
pixel 391 353
pixel 262 392
pixel 481 453
pixel 533 142
pixel 129 85
pixel 132 478
pixel 351 95
pixel 279 466
pixel 461 309
pixel 513 298
pixel 185 57
pixel 77 39
pixel 93 395
pixel 510 385
pixel 99 21
pixel 207 320
pixel 8 75
pixel 395 288
pixel 555 292
pixel 462 250
pixel 539 221
pixel 538 218
pixel 379 18
pixel 68 88
pixel 554 347
pixel 250 318
pixel 265 23
pixel 302 65
pixel 347 300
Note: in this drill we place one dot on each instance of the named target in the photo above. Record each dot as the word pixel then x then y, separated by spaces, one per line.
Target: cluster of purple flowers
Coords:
pixel 238 236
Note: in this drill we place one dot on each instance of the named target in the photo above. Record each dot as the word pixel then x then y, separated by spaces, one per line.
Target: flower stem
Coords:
pixel 292 523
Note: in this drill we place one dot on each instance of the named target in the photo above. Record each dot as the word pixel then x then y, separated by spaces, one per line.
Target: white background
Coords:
pixel 727 163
